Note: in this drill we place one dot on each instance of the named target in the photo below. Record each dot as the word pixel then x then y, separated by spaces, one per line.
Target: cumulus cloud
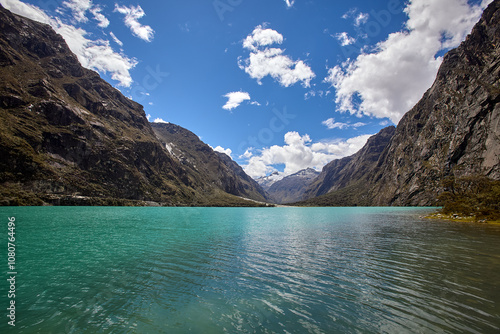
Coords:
pixel 159 120
pixel 262 37
pixel 248 153
pixel 226 151
pixel 299 153
pixel 390 80
pixel 266 61
pixel 235 99
pixel 331 124
pixel 97 55
pixel 132 16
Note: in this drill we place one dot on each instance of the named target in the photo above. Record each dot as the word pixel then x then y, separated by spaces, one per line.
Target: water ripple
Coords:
pixel 284 270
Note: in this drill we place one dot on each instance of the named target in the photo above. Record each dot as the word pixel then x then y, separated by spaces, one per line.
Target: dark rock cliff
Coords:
pixel 68 137
pixel 214 168
pixel 454 130
pixel 350 175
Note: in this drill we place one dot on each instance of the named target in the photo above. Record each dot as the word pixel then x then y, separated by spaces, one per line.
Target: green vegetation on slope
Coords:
pixel 471 196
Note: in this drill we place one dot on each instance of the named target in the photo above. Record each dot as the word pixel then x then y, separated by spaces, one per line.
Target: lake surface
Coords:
pixel 249 270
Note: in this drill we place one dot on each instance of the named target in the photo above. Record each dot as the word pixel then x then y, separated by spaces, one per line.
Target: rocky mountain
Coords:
pixel 292 188
pixel 68 137
pixel 267 181
pixel 344 180
pixel 454 130
pixel 216 168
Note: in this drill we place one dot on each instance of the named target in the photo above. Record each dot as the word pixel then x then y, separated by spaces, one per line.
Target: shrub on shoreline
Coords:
pixel 474 196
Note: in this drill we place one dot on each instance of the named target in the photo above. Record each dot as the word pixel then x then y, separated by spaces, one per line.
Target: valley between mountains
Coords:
pixel 67 137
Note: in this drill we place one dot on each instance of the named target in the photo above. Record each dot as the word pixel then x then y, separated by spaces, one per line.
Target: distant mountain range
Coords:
pixel 288 189
pixel 267 181
pixel 67 137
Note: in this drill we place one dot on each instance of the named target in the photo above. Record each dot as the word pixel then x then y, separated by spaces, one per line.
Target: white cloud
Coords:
pixel 389 81
pixel 299 153
pixel 350 13
pixel 97 55
pixel 235 99
pixel 132 15
pixel 26 10
pixel 227 151
pixel 103 20
pixel 331 124
pixel 264 61
pixel 309 94
pixel 148 116
pixel 159 120
pixel 248 153
pixel 345 39
pixel 79 8
pixel 360 19
pixel 289 3
pixel 117 41
pixel 262 37
pixel 358 124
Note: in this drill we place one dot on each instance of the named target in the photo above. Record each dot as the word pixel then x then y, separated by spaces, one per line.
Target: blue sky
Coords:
pixel 277 84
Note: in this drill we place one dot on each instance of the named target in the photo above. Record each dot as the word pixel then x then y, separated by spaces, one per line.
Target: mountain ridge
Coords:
pixel 453 131
pixel 291 188
pixel 67 137
pixel 215 167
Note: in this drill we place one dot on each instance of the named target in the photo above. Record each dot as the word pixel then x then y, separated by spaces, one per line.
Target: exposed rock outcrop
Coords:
pixel 454 130
pixel 344 181
pixel 214 168
pixel 69 137
pixel 292 187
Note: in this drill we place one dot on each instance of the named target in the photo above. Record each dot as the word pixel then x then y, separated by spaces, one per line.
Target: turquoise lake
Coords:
pixel 249 270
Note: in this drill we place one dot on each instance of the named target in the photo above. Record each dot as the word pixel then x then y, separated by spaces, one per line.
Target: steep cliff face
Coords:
pixel 344 181
pixel 454 130
pixel 214 168
pixel 68 137
pixel 65 132
pixel 292 188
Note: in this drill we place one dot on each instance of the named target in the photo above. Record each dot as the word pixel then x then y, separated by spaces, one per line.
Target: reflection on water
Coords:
pixel 274 270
